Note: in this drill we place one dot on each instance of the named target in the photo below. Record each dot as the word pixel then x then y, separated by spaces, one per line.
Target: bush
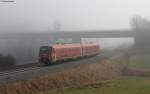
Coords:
pixel 6 61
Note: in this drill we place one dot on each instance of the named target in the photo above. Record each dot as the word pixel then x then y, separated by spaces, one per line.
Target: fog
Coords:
pixel 66 15
pixel 40 15
pixel 111 43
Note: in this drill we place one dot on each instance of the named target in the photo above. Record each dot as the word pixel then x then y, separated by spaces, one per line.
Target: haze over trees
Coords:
pixel 140 23
pixel 141 26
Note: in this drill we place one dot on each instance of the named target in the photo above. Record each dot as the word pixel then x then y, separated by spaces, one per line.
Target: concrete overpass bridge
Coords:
pixel 25 46
pixel 76 36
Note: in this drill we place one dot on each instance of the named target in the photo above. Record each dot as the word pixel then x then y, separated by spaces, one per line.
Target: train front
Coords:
pixel 45 54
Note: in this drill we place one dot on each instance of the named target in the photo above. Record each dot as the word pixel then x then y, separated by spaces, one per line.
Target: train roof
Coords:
pixel 73 45
pixel 66 45
pixel 90 44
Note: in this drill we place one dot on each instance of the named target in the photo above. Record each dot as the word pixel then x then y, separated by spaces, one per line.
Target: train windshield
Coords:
pixel 45 49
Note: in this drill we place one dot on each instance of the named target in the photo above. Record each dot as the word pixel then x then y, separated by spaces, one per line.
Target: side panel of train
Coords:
pixel 90 49
pixel 56 53
pixel 64 52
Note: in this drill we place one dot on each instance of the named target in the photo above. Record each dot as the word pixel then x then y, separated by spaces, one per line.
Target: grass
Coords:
pixel 82 75
pixel 140 62
pixel 125 85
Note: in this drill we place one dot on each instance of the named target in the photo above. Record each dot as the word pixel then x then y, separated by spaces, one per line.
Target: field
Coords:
pixel 105 77
pixel 140 66
pixel 124 85
pixel 79 76
pixel 141 62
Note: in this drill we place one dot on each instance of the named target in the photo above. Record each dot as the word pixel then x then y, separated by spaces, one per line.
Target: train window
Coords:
pixel 45 49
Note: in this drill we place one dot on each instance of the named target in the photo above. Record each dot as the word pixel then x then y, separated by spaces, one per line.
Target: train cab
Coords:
pixel 45 54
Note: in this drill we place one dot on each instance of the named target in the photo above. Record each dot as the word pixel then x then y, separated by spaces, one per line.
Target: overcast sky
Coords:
pixel 72 14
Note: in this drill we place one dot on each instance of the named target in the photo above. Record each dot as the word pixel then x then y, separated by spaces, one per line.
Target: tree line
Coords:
pixel 140 23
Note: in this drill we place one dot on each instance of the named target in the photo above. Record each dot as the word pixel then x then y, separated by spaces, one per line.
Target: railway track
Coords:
pixel 17 67
pixel 8 72
pixel 11 76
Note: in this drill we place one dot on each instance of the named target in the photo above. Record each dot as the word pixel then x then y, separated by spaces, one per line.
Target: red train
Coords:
pixel 60 52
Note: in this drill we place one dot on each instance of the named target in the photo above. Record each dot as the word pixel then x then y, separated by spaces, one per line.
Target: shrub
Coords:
pixel 6 61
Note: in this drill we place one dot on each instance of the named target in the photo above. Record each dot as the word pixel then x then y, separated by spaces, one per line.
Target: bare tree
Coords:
pixel 140 23
pixel 142 27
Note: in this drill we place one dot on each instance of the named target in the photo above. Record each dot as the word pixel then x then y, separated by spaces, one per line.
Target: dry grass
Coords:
pixel 138 66
pixel 137 72
pixel 82 75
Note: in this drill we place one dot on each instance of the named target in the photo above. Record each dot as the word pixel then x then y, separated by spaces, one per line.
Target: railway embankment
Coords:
pixel 82 75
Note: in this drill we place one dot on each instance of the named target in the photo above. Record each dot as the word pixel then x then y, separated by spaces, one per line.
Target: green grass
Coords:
pixel 125 85
pixel 140 62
